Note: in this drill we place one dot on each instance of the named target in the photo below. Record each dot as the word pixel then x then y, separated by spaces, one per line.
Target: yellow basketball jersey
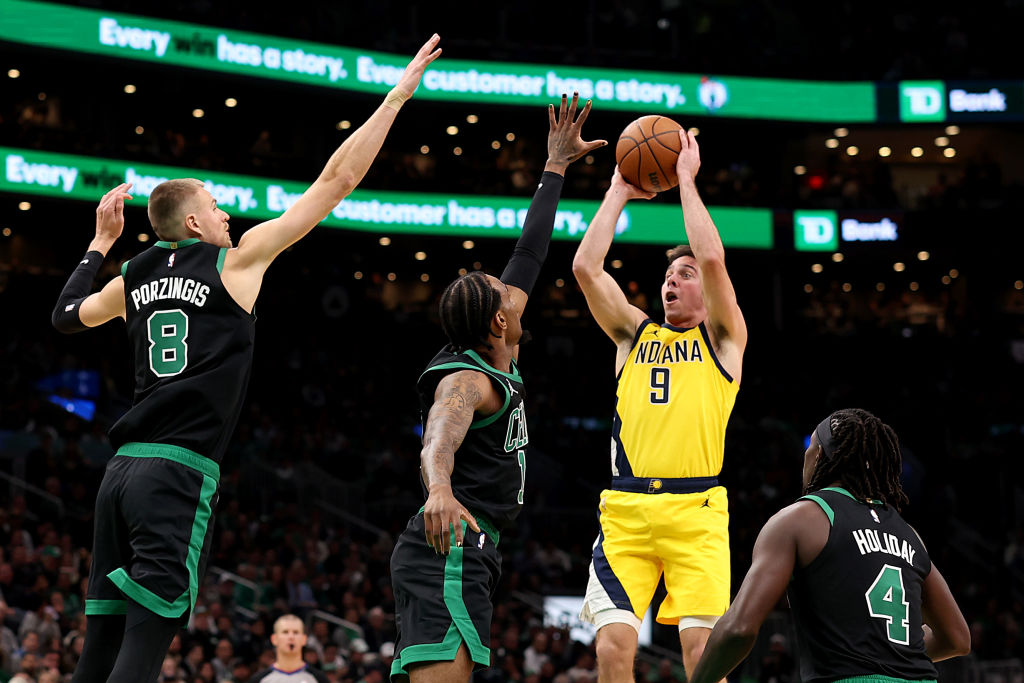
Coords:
pixel 673 403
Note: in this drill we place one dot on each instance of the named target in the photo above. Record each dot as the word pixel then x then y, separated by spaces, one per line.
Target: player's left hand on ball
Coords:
pixel 688 162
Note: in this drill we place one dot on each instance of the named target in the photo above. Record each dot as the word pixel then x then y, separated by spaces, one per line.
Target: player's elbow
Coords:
pixel 960 641
pixel 584 269
pixel 65 319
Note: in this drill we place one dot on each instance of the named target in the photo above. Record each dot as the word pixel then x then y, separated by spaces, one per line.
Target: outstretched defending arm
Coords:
pixel 565 145
pixel 343 172
pixel 77 309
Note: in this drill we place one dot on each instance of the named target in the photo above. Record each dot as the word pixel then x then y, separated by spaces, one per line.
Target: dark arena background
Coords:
pixel 864 165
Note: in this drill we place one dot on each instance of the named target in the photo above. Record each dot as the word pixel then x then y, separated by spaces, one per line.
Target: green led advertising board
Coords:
pixel 87 178
pixel 195 46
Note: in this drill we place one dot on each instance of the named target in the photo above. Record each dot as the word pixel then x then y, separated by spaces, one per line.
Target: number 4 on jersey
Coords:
pixel 886 601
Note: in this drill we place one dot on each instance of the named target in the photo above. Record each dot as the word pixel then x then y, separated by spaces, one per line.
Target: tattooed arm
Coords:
pixel 458 397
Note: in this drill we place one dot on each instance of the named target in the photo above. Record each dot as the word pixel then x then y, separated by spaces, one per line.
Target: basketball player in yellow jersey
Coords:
pixel 664 512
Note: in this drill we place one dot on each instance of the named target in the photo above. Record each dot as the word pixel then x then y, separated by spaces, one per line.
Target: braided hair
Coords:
pixel 864 455
pixel 467 307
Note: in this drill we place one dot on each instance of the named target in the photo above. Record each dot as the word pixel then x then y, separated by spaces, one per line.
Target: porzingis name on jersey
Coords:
pixel 871 541
pixel 184 288
pixel 517 436
pixel 681 351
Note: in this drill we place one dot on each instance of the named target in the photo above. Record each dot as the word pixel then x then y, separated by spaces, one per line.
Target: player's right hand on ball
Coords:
pixel 619 184
pixel 440 514
pixel 410 79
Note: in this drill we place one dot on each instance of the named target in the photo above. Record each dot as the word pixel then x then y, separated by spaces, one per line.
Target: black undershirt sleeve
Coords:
pixel 65 314
pixel 532 248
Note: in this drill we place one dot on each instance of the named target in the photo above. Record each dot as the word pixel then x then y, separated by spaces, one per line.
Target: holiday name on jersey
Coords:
pixel 871 541
pixel 186 289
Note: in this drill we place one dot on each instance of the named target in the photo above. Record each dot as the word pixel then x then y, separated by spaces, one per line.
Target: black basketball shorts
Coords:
pixel 154 522
pixel 442 601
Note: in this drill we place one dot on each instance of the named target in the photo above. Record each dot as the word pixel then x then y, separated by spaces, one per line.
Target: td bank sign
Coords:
pixel 922 101
pixel 822 230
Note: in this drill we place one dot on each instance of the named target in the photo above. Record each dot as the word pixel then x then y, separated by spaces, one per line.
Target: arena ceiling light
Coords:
pixel 384 241
pixel 952 130
pixel 917 152
pixel 468 244
pixel 949 152
pixel 343 125
pixel 421 256
pixel 800 170
pixel 831 143
pixel 841 132
pixel 472 118
pixel 923 256
pixel 425 149
pixel 13 73
pixel 884 151
pixel 899 266
pixel 130 88
pixel 942 141
pixel 452 130
pixel 230 103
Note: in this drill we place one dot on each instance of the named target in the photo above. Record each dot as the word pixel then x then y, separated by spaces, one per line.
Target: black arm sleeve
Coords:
pixel 65 315
pixel 532 248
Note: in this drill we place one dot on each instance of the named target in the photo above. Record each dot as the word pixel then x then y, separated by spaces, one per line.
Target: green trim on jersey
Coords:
pixel 878 678
pixel 178 454
pixel 462 629
pixel 512 366
pixel 220 259
pixel 124 268
pixel 103 607
pixel 187 600
pixel 484 421
pixel 824 506
pixel 177 245
pixel 839 489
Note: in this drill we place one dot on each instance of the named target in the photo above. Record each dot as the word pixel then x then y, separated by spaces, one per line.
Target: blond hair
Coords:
pixel 168 205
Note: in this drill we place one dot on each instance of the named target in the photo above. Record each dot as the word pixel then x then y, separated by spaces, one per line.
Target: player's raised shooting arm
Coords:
pixel 606 300
pixel 947 634
pixel 565 145
pixel 343 172
pixel 774 557
pixel 76 308
pixel 728 328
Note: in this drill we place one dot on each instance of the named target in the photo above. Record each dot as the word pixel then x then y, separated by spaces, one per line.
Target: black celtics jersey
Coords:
pixel 857 606
pixel 192 349
pixel 490 465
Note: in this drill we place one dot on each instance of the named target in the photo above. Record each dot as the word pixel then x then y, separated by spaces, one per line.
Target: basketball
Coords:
pixel 647 151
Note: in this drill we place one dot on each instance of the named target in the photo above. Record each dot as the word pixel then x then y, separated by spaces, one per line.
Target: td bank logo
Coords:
pixel 922 101
pixel 815 231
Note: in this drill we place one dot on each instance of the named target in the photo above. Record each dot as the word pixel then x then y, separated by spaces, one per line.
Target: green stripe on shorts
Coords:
pixel 101 607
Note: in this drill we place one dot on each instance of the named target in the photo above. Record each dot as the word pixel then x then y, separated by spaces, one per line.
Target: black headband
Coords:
pixel 824 432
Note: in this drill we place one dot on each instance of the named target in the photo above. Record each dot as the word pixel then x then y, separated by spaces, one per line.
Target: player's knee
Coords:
pixel 614 652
